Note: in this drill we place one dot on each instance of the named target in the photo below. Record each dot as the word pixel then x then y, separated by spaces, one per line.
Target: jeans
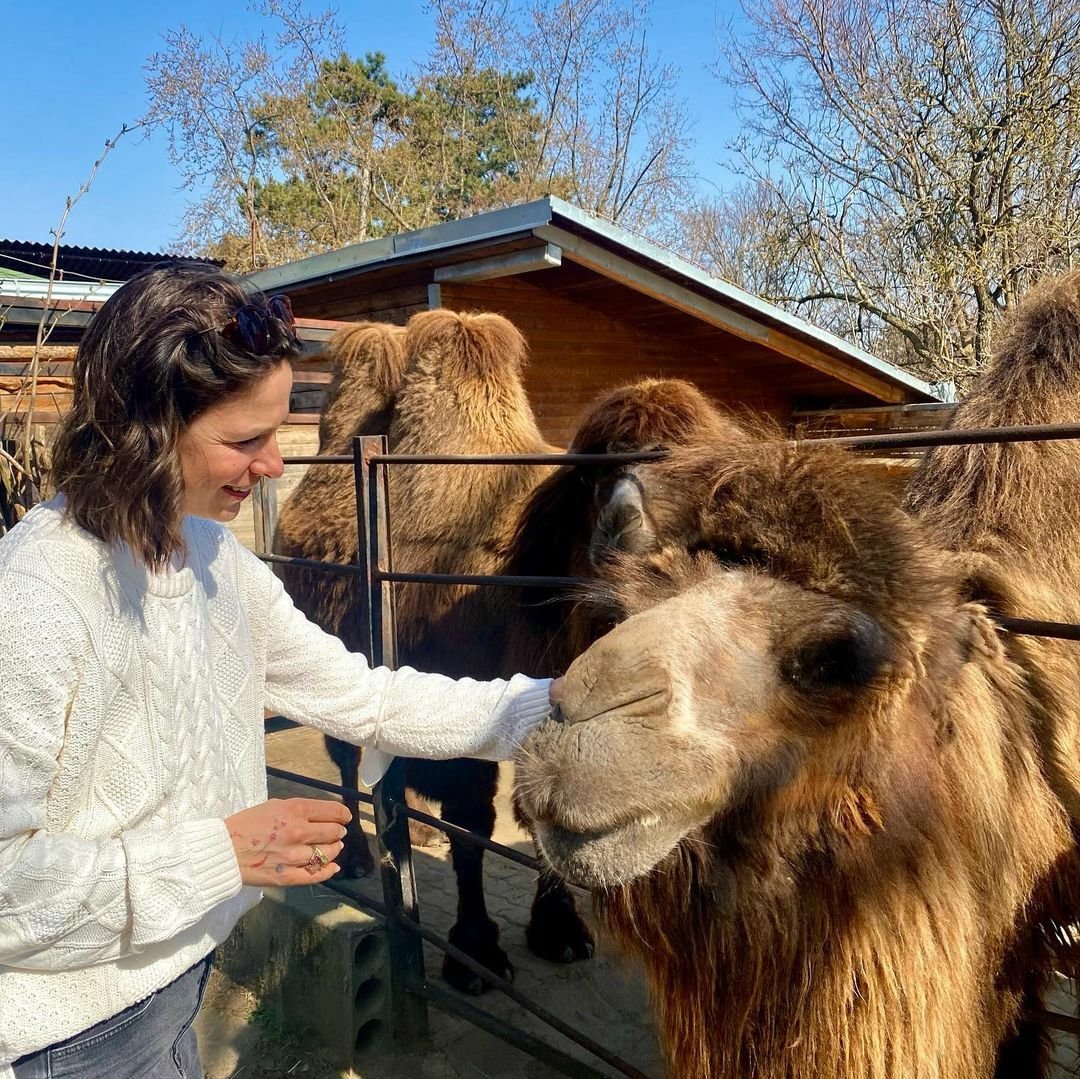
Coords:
pixel 152 1039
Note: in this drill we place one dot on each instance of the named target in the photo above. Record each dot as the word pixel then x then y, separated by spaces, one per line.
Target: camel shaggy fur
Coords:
pixel 809 781
pixel 451 383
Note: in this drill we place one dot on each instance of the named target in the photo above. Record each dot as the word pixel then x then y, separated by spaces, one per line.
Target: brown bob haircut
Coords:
pixel 159 352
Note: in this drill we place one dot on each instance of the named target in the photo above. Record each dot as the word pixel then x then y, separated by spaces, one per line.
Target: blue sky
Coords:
pixel 73 74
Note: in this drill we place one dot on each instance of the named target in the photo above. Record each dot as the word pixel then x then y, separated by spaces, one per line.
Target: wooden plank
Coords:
pixel 317 326
pixel 542 257
pixel 264 508
pixel 836 422
pixel 361 296
pixel 60 368
pixel 14 353
pixel 55 304
pixel 349 311
pixel 43 417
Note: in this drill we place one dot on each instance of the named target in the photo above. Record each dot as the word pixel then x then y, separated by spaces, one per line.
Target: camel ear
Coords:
pixel 845 656
pixel 623 523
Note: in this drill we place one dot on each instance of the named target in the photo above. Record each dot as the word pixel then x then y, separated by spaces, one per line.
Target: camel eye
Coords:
pixel 848 657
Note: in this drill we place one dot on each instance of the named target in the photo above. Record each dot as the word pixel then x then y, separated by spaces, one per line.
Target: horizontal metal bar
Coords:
pixel 505 987
pixel 959 436
pixel 331 788
pixel 312 563
pixel 496 580
pixel 317 459
pixel 1027 626
pixel 364 902
pixel 1055 1020
pixel 470 837
pixel 516 458
pixel 1031 627
pixel 519 1039
pixel 413 814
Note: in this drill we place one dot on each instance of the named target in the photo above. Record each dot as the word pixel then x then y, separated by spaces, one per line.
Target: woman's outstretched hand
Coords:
pixel 275 842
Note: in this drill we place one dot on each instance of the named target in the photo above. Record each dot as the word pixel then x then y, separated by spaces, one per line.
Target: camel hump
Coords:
pixel 1035 371
pixel 465 345
pixel 369 362
pixel 1015 497
pixel 372 351
pixel 651 413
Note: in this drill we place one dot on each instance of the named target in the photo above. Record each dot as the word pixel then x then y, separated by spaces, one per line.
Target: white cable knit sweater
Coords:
pixel 131 709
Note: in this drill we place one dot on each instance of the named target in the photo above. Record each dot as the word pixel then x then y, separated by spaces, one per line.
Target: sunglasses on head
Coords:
pixel 250 325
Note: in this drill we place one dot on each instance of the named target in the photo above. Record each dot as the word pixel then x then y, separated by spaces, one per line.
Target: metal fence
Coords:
pixel 410 991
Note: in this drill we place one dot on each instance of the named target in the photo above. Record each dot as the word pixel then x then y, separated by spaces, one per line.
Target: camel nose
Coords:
pixel 621 676
pixel 557 715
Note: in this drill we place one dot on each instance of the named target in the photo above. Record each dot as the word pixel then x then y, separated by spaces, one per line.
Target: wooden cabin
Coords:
pixel 599 307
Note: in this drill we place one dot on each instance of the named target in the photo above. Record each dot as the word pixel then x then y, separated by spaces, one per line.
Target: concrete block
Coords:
pixel 319 966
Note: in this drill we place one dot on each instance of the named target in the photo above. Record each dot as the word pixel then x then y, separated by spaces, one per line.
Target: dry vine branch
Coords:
pixel 22 468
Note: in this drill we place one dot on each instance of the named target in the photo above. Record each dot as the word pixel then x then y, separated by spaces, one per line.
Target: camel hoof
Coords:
pixel 556 931
pixel 356 860
pixel 481 942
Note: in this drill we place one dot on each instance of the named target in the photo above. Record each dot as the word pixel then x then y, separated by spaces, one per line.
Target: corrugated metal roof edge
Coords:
pixel 103 252
pixel 361 257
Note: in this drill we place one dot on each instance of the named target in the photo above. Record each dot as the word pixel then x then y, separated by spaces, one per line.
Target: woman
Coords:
pixel 141 646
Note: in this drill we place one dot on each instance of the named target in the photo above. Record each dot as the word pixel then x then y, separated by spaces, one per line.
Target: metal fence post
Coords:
pixel 409 1019
pixel 264 510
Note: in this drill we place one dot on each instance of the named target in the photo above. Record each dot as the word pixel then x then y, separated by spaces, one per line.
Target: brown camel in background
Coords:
pixel 453 384
pixel 807 778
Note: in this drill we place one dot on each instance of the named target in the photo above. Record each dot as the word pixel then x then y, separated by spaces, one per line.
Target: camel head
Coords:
pixel 772 609
pixel 561 514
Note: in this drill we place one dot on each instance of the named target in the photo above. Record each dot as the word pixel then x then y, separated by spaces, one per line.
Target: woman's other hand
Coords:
pixel 276 842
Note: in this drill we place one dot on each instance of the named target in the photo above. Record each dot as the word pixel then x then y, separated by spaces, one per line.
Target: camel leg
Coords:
pixel 473 932
pixel 556 931
pixel 355 860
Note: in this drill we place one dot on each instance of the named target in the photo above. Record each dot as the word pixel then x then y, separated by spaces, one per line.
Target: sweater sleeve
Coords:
pixel 312 678
pixel 67 900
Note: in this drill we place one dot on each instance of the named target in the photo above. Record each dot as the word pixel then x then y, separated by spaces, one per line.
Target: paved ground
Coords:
pixel 603 997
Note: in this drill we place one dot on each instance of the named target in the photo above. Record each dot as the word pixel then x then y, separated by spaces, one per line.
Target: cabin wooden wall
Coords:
pixel 395 298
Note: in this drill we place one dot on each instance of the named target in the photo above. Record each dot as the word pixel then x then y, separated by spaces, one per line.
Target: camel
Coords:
pixel 451 383
pixel 810 783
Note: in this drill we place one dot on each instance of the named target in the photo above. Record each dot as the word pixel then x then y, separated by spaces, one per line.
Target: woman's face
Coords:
pixel 228 448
